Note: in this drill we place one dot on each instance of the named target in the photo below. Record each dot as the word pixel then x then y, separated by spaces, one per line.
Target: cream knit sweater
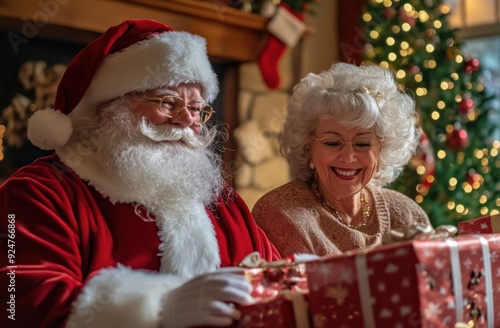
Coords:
pixel 296 222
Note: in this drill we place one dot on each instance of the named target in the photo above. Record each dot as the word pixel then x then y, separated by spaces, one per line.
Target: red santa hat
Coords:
pixel 135 55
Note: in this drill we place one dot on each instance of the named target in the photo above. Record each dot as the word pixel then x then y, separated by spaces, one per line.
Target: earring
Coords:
pixel 311 165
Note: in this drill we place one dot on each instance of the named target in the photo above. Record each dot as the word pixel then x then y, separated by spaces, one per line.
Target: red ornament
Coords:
pixel 473 176
pixel 389 13
pixel 424 156
pixel 471 65
pixel 413 69
pixel 458 139
pixel 405 18
pixel 466 105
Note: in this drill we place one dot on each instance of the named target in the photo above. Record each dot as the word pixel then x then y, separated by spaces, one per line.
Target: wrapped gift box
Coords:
pixel 280 293
pixel 485 224
pixel 280 312
pixel 419 283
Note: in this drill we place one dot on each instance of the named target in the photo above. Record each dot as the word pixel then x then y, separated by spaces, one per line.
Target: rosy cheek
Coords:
pixel 196 128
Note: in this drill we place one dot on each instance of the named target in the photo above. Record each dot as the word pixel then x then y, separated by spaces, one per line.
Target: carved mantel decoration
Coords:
pixel 232 35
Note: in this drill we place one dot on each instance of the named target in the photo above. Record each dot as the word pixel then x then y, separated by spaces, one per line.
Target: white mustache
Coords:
pixel 159 133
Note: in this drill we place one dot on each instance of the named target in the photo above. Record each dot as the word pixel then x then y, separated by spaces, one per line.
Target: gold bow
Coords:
pixel 419 231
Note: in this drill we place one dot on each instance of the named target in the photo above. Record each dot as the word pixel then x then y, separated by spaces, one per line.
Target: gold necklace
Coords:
pixel 365 208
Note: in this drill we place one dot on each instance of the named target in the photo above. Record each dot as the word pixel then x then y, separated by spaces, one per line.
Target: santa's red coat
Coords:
pixel 57 232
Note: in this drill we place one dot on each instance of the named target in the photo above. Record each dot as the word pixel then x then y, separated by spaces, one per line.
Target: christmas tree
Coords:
pixel 455 174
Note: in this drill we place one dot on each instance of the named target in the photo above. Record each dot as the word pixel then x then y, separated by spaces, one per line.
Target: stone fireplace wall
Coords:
pixel 260 167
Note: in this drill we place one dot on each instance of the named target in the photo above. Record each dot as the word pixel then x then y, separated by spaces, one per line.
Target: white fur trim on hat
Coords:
pixel 49 129
pixel 165 59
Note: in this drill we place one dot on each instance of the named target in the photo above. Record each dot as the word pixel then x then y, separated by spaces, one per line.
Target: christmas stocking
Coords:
pixel 285 29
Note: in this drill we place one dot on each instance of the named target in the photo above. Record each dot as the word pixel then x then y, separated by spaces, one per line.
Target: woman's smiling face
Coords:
pixel 343 166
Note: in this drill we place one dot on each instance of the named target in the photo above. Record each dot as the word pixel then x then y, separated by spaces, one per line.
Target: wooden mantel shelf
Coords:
pixel 232 35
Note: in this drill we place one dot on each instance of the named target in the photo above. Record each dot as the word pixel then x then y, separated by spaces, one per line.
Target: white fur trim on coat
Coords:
pixel 122 297
pixel 165 59
pixel 190 229
pixel 49 129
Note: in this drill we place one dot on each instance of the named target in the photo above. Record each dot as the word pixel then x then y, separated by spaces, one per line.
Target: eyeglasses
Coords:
pixel 360 144
pixel 173 106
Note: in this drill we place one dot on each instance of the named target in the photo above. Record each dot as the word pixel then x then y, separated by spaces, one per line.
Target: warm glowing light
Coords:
pixel 392 56
pixel 437 24
pixel 384 64
pixel 423 16
pixel 403 53
pixel 480 88
pixel 451 205
pixel 408 7
pixel 421 91
pixel 459 59
pixel 460 208
pixel 390 41
pixel 406 27
pixel 387 3
pixel 430 179
pixel 444 85
pixel 445 8
pixel 419 199
pixel 455 76
pixel 395 29
pixel 367 17
pixel 429 48
pixel 441 104
pixel 418 77
pixel 400 74
pixel 374 34
pixel 483 199
pixel 405 45
pixel 441 154
pixel 471 115
pixel 432 63
pixel 468 85
pixel 435 115
pixel 453 182
pixel 421 169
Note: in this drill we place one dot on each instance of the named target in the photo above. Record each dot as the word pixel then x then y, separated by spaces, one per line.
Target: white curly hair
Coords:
pixel 356 96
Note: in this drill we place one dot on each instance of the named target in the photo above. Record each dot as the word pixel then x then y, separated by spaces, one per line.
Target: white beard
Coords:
pixel 174 180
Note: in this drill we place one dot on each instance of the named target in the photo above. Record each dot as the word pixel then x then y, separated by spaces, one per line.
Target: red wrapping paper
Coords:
pixel 484 224
pixel 272 288
pixel 409 284
pixel 277 312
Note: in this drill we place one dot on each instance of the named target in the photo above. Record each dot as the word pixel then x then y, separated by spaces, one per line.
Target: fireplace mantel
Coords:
pixel 232 35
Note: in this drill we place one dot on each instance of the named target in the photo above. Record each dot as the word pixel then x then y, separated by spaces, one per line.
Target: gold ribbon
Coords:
pixel 419 231
pixel 292 274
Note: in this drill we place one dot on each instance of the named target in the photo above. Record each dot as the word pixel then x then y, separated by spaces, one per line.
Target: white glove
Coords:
pixel 205 300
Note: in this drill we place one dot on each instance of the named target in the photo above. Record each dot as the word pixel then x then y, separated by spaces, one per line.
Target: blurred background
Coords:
pixel 445 53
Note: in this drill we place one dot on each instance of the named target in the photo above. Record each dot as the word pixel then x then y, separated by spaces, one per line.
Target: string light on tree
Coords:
pixel 415 40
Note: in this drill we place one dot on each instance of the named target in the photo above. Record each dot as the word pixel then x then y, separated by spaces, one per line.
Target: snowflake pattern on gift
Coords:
pixel 327 272
pixel 338 293
pixel 494 256
pixel 432 311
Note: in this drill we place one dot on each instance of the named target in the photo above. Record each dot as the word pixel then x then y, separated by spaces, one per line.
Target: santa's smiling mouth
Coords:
pixel 345 173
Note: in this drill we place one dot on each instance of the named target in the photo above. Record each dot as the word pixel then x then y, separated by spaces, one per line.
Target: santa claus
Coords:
pixel 130 223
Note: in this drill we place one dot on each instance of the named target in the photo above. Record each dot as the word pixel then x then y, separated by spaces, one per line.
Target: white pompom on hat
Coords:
pixel 135 55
